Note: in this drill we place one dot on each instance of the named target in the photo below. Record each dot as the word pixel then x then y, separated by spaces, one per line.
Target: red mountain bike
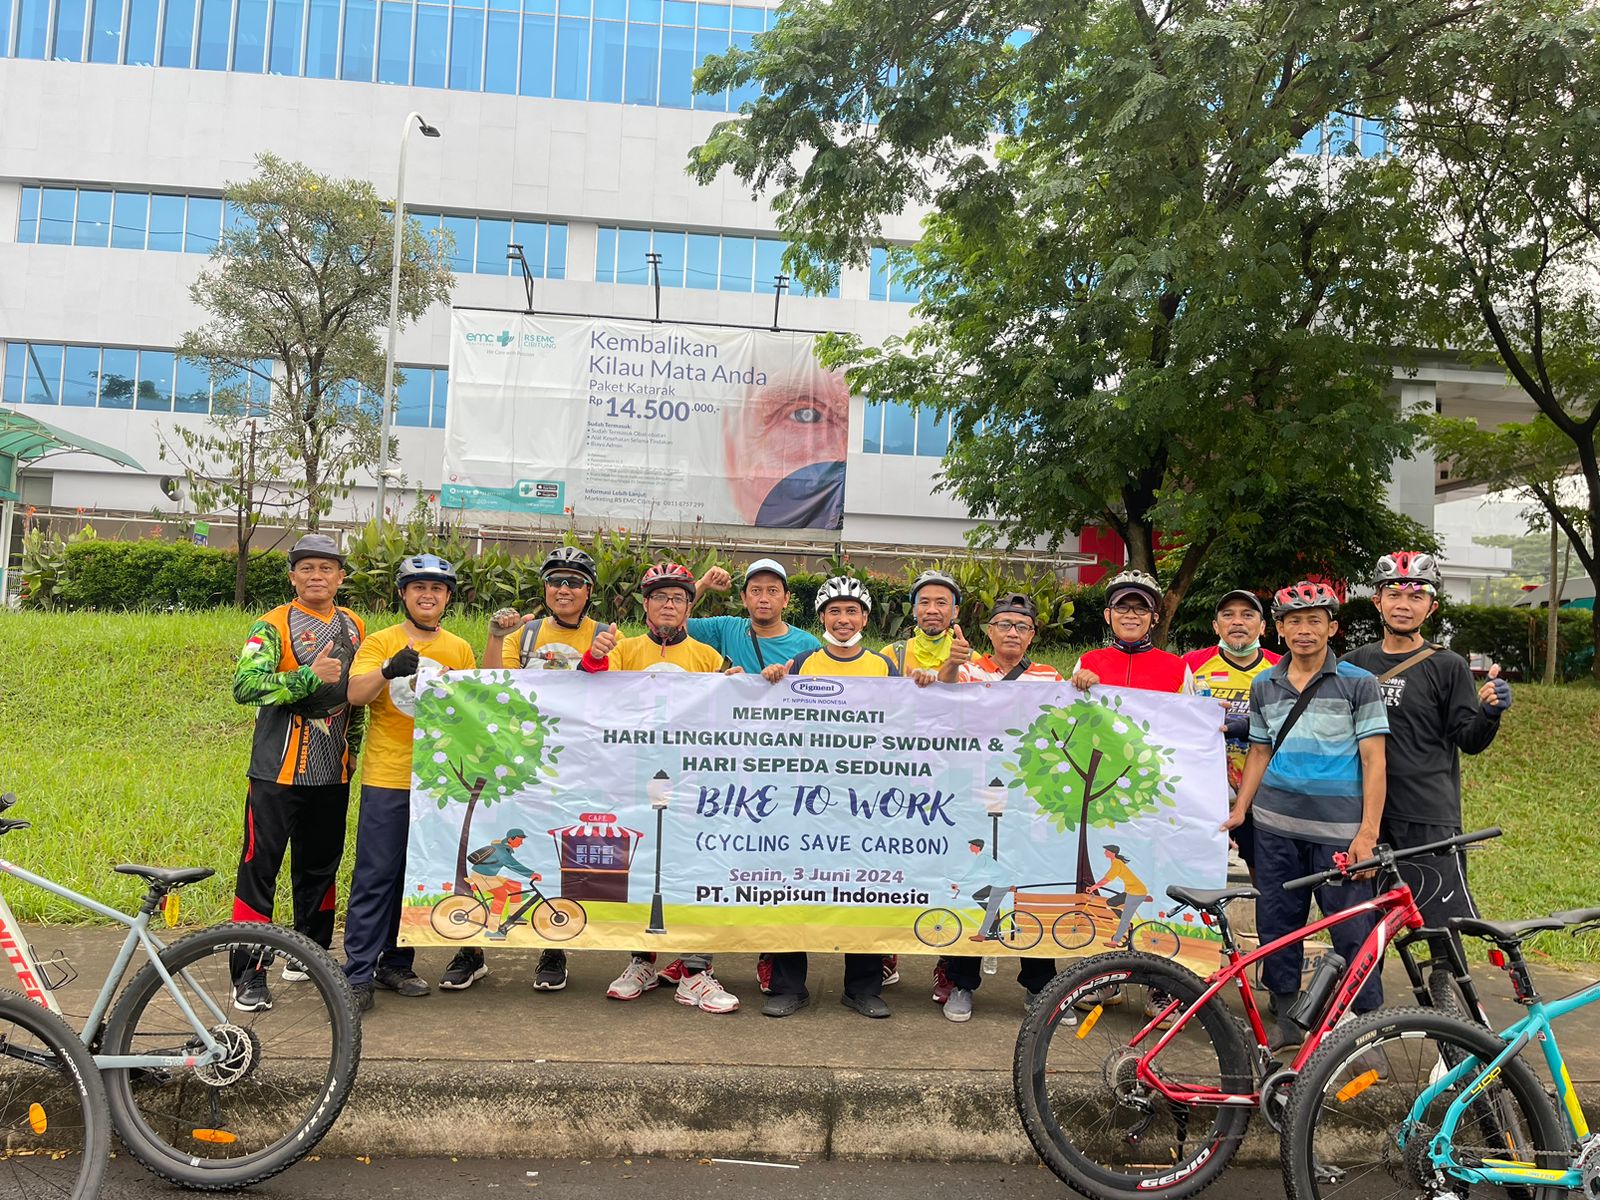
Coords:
pixel 1134 1077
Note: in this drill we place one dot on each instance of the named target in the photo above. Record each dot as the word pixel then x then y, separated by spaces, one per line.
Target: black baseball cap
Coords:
pixel 1250 598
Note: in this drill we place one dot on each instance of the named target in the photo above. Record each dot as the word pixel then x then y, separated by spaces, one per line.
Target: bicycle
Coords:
pixel 1461 1107
pixel 557 920
pixel 1122 1107
pixel 200 1095
pixel 1013 929
pixel 1076 929
pixel 54 1125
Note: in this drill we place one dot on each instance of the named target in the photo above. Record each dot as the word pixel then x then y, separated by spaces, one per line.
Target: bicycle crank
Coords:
pixel 1275 1097
pixel 241 1051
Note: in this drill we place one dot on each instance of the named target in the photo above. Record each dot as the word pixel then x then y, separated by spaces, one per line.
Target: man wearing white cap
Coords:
pixel 763 638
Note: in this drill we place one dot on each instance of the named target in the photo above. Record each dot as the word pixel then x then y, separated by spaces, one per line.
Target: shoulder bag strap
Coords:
pixel 1299 708
pixel 761 661
pixel 1016 671
pixel 1425 652
pixel 529 643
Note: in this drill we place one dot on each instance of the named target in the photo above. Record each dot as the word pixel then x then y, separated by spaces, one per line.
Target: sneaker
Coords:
pixel 1155 1005
pixel 362 994
pixel 764 975
pixel 701 990
pixel 867 1006
pixel 784 1006
pixel 891 969
pixel 637 978
pixel 252 995
pixel 1030 999
pixel 293 974
pixel 403 981
pixel 942 987
pixel 959 1006
pixel 673 971
pixel 465 969
pixel 551 973
pixel 1106 997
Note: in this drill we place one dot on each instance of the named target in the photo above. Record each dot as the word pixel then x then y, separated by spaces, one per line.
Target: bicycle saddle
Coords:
pixel 166 876
pixel 1211 899
pixel 1576 916
pixel 1504 931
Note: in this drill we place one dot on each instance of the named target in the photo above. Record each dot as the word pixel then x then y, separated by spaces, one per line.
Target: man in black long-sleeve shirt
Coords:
pixel 1436 712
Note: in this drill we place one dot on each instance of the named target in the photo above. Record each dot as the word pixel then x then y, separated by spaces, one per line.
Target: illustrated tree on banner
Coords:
pixel 489 743
pixel 1089 763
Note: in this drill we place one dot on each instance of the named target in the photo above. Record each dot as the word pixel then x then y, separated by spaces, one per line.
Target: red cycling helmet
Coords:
pixel 1298 597
pixel 1406 566
pixel 667 575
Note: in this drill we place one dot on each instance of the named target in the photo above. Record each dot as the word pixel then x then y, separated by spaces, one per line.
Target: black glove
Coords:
pixel 403 664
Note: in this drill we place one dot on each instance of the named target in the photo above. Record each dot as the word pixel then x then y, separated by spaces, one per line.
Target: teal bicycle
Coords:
pixel 1418 1103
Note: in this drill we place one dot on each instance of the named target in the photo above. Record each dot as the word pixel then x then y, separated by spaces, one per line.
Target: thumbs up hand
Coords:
pixel 1495 693
pixel 605 641
pixel 960 649
pixel 402 665
pixel 325 666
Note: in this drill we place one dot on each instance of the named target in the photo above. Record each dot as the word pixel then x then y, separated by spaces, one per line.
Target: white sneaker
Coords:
pixel 702 991
pixel 292 974
pixel 637 978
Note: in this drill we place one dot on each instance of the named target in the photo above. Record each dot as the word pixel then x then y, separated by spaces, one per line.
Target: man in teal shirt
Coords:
pixel 763 638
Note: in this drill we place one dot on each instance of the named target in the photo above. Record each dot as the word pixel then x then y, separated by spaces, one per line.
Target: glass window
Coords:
pixel 82 379
pixel 899 428
pixel 259 382
pixel 43 375
pixel 360 25
pixel 155 380
pixel 433 26
pixel 605 255
pixel 500 53
pixel 142 18
pixel 1338 133
pixel 708 42
pixel 769 263
pixel 575 8
pixel 670 246
pixel 572 59
pixel 538 55
pixel 933 433
pixel 605 62
pixel 93 227
pixel 609 10
pixel 677 12
pixel 215 17
pixel 749 20
pixel 117 371
pixel 493 237
pixel 713 16
pixel 645 12
pixel 441 394
pixel 166 222
pixel 177 41
pixel 5 47
pixel 33 24
pixel 700 265
pixel 287 18
pixel 872 428
pixel 555 255
pixel 322 40
pixel 235 218
pixel 530 235
pixel 55 216
pixel 250 37
pixel 411 396
pixel 677 67
pixel 1374 141
pixel 738 263
pixel 901 292
pixel 878 275
pixel 749 92
pixel 632 246
pixel 70 17
pixel 466 49
pixel 644 58
pixel 129 212
pixel 105 37
pixel 28 219
pixel 204 225
pixel 194 387
pixel 16 365
pixel 465 232
pixel 394 43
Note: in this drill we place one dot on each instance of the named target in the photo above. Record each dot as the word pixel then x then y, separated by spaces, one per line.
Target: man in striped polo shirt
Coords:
pixel 1314 776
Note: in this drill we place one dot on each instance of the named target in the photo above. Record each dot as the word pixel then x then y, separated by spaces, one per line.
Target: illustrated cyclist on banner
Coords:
pixel 990 892
pixel 486 865
pixel 1129 900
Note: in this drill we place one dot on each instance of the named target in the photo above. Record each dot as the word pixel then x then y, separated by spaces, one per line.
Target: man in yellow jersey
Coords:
pixel 383 679
pixel 935 602
pixel 843 604
pixel 668 590
pixel 293 668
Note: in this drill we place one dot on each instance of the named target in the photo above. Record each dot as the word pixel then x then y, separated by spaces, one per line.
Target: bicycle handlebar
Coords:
pixel 1385 857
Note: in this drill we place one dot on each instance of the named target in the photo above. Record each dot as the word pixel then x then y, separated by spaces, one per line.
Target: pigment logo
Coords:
pixel 816 689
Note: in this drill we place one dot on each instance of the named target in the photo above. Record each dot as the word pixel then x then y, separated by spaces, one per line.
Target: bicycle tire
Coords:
pixel 1073 930
pixel 559 920
pixel 316 1023
pixel 937 927
pixel 1156 937
pixel 1408 1034
pixel 1212 1041
pixel 51 1096
pixel 459 917
pixel 1019 931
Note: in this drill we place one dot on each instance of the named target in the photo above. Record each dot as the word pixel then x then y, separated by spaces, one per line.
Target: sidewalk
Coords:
pixel 503 1070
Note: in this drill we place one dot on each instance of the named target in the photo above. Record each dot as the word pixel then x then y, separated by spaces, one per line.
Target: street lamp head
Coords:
pixel 994 797
pixel 514 252
pixel 657 789
pixel 428 130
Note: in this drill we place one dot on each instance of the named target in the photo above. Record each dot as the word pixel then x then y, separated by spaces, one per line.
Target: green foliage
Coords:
pixel 44 565
pixel 1517 638
pixel 165 575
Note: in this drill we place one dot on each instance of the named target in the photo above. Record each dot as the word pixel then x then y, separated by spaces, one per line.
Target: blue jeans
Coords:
pixel 372 918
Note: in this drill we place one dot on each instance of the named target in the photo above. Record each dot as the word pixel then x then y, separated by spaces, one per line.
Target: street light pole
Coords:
pixel 394 305
pixel 657 789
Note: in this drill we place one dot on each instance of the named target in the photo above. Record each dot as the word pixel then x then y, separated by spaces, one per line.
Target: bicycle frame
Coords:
pixel 19 954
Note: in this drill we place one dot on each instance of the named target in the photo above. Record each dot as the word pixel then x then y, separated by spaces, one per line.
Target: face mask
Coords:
pixel 1252 648
pixel 833 641
pixel 929 652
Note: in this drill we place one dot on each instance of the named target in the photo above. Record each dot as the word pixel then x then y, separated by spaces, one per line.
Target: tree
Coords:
pixel 1138 303
pixel 488 744
pixel 1501 129
pixel 300 279
pixel 1090 764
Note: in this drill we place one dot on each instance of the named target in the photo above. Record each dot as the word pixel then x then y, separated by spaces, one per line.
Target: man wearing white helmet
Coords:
pixel 757 641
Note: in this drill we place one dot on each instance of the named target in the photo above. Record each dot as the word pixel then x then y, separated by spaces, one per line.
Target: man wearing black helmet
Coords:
pixel 383 679
pixel 937 638
pixel 293 668
pixel 557 640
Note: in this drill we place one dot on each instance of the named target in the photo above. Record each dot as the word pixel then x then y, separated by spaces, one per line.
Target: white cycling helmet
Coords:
pixel 1134 581
pixel 843 587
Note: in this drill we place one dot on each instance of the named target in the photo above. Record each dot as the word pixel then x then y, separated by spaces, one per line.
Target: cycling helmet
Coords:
pixel 1137 581
pixel 425 566
pixel 569 558
pixel 939 577
pixel 843 587
pixel 667 575
pixel 1014 602
pixel 1298 597
pixel 1406 566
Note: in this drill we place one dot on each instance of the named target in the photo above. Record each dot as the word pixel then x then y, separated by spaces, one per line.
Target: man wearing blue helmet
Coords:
pixel 383 679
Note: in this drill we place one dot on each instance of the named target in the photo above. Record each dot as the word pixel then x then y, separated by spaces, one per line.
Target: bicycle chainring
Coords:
pixel 1275 1097
pixel 241 1052
pixel 1588 1167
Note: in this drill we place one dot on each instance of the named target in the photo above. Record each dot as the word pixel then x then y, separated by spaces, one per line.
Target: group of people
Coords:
pixel 1306 738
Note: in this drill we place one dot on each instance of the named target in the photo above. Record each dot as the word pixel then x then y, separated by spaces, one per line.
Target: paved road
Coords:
pixel 408 1178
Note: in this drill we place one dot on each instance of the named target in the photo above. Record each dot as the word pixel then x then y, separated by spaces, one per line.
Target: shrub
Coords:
pixel 165 575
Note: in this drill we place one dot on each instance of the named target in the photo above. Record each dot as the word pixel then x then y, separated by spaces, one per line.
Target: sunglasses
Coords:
pixel 1126 608
pixel 572 582
pixel 1011 626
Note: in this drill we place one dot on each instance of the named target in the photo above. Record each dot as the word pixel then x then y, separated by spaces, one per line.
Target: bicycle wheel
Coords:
pixel 1101 1129
pixel 559 919
pixel 1073 930
pixel 937 927
pixel 54 1127
pixel 1343 1136
pixel 287 1076
pixel 459 917
pixel 1019 930
pixel 1155 937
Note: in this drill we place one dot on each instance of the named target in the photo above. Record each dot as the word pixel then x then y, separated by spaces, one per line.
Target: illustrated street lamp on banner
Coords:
pixel 994 803
pixel 657 790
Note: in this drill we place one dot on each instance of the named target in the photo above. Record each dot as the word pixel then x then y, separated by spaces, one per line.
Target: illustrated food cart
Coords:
pixel 596 856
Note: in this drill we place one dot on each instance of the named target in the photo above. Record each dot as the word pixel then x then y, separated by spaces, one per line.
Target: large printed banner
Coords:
pixel 677 812
pixel 643 421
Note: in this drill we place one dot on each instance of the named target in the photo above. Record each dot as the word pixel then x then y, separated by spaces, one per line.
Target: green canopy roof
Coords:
pixel 28 440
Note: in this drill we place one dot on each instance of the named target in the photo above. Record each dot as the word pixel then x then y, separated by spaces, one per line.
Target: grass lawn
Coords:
pixel 123 741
